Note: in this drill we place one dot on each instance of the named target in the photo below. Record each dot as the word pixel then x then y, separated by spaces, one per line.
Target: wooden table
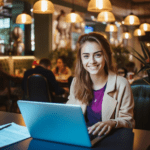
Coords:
pixel 141 139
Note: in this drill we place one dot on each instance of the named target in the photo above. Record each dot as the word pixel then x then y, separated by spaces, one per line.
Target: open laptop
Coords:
pixel 63 123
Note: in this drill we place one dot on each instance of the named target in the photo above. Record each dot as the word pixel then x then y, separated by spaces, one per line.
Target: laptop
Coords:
pixel 62 123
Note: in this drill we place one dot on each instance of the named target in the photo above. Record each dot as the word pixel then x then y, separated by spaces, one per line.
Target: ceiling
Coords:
pixel 120 8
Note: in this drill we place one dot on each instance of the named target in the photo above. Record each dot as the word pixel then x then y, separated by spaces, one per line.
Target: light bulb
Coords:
pixel 99 4
pixel 145 27
pixel 23 18
pixel 44 6
pixel 131 19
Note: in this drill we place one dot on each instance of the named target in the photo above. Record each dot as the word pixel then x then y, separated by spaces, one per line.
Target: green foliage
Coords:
pixel 144 59
pixel 121 55
pixel 67 52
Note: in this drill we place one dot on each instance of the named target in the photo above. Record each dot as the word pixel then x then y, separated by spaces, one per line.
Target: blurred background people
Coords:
pixel 61 71
pixel 44 69
pixel 122 72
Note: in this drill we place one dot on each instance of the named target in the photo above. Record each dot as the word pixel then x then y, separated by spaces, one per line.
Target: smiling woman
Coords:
pixel 105 98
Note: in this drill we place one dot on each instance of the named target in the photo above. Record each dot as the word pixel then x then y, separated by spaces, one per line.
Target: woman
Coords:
pixel 61 72
pixel 105 98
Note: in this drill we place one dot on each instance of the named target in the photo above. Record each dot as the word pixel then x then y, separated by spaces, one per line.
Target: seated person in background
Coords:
pixel 105 98
pixel 4 77
pixel 122 72
pixel 44 69
pixel 61 72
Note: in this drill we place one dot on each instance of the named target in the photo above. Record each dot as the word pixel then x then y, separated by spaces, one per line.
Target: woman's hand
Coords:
pixel 101 128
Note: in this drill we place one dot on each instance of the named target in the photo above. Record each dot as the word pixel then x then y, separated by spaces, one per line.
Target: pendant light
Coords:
pixel 99 5
pixel 111 28
pixel 139 32
pixel 1 3
pixel 43 7
pixel 131 20
pixel 24 19
pixel 145 27
pixel 105 16
pixel 127 35
pixel 73 17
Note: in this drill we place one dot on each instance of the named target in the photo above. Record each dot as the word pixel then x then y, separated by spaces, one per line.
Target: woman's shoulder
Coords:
pixel 121 79
pixel 118 80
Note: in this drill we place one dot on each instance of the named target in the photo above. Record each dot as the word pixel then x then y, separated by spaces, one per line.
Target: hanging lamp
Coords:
pixel 1 3
pixel 24 19
pixel 145 27
pixel 43 7
pixel 105 16
pixel 139 32
pixel 127 35
pixel 111 28
pixel 99 5
pixel 131 20
pixel 73 17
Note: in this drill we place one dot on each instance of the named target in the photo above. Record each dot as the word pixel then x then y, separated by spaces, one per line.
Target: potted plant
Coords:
pixel 120 55
pixel 144 59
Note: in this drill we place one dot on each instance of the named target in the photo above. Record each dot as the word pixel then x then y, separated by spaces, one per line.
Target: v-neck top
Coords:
pixel 95 107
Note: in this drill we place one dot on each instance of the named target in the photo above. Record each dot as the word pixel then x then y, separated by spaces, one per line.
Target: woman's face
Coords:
pixel 60 63
pixel 92 58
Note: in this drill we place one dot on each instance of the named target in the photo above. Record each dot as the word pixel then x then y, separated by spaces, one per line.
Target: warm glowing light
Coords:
pixel 44 6
pixel 139 32
pixel 99 4
pixel 131 19
pixel 23 18
pixel 111 28
pixel 145 26
pixel 73 17
pixel 23 57
pixel 148 44
pixel 106 16
pixel 126 35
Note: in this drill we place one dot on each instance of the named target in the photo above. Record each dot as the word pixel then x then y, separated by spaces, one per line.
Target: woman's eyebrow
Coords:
pixel 100 51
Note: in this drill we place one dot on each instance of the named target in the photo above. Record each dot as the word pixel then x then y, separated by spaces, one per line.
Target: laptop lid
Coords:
pixel 55 122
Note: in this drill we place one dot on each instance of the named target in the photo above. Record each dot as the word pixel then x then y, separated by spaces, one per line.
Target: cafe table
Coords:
pixel 119 139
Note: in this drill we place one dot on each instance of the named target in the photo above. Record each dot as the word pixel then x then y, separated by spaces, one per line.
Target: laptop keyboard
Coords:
pixel 92 136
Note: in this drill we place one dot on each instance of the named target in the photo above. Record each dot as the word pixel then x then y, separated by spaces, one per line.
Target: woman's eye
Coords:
pixel 98 55
pixel 85 56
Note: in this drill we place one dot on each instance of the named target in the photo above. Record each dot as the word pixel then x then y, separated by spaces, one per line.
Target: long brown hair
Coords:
pixel 83 83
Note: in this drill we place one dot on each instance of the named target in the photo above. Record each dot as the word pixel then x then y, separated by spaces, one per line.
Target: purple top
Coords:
pixel 96 104
pixel 95 107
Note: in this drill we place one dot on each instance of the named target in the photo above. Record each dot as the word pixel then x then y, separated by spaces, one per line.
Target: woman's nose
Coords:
pixel 92 60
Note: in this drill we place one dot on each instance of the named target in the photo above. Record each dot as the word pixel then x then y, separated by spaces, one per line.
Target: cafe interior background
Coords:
pixel 50 35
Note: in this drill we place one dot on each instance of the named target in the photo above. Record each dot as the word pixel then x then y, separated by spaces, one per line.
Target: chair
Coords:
pixel 7 99
pixel 143 81
pixel 141 95
pixel 38 89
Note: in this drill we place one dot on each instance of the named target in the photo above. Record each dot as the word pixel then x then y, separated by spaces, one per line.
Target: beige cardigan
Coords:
pixel 118 102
